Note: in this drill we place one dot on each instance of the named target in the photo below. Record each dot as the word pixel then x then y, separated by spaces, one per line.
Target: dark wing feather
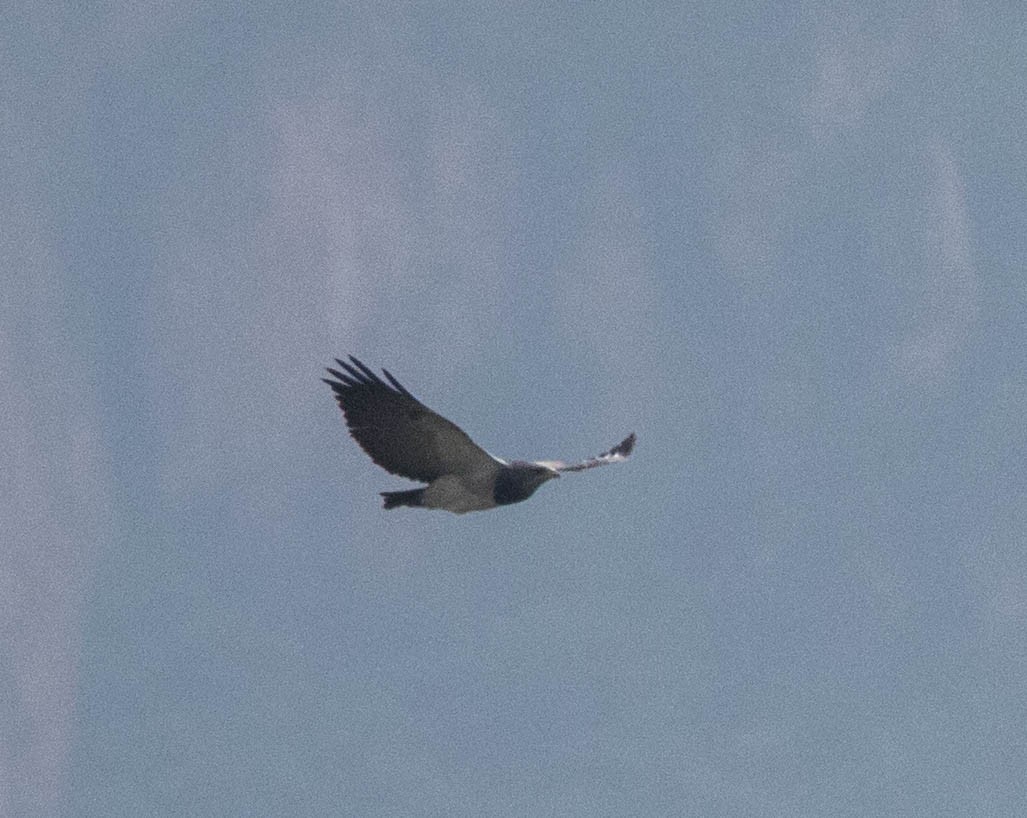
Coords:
pixel 618 453
pixel 400 433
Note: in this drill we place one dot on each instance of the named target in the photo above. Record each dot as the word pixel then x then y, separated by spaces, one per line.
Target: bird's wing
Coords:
pixel 400 433
pixel 618 453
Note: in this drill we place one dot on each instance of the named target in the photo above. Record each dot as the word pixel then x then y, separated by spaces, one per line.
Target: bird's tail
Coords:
pixel 394 499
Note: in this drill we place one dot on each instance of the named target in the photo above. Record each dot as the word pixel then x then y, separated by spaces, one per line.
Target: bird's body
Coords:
pixel 461 493
pixel 406 438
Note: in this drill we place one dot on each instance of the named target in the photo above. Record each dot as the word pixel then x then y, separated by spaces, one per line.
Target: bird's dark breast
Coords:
pixel 512 486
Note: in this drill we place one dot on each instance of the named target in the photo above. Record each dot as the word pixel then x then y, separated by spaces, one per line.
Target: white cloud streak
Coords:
pixel 396 244
pixel 946 300
pixel 850 69
pixel 54 515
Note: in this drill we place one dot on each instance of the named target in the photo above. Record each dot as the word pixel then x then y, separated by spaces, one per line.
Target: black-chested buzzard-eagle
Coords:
pixel 405 437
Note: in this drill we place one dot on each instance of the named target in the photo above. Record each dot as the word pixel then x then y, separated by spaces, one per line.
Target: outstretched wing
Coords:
pixel 618 453
pixel 400 433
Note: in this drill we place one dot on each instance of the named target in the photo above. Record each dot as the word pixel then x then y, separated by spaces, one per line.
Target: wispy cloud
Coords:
pixel 946 301
pixel 850 69
pixel 56 490
pixel 55 515
pixel 400 201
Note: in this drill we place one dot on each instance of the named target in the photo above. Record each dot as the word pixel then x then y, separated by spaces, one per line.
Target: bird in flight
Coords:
pixel 406 438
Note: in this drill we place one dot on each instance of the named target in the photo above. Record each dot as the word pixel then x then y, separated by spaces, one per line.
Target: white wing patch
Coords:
pixel 622 451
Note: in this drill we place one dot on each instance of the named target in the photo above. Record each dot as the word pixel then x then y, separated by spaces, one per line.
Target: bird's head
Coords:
pixel 535 473
pixel 519 480
pixel 547 467
pixel 545 472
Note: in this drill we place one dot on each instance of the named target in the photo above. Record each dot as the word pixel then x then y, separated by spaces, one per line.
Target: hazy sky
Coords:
pixel 782 243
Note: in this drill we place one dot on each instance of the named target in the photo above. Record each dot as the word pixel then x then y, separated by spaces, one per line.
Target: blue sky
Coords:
pixel 784 244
